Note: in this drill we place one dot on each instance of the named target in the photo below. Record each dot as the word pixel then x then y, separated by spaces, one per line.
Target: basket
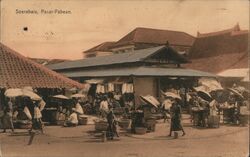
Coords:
pixel 83 120
pixel 140 130
pixel 243 119
pixel 101 126
pixel 213 121
pixel 124 123
pixel 150 125
pixel 60 122
pixel 25 126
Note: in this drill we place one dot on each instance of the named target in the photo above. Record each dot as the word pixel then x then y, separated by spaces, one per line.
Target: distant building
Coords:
pixel 220 51
pixel 102 49
pixel 48 61
pixel 141 38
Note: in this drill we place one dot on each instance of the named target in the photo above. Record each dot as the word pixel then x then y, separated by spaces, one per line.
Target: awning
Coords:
pixel 95 81
pixel 139 71
pixel 242 73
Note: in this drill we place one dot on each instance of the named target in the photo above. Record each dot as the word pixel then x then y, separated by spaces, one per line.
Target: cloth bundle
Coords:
pixel 127 88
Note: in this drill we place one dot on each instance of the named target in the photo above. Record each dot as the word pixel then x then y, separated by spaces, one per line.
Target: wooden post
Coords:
pixel 32 135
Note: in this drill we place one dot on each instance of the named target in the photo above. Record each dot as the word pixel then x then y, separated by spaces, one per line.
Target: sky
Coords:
pixel 89 23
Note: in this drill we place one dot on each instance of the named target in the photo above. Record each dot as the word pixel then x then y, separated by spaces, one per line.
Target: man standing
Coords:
pixel 7 120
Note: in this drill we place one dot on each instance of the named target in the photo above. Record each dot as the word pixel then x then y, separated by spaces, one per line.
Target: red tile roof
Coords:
pixel 101 47
pixel 17 71
pixel 220 63
pixel 228 41
pixel 155 36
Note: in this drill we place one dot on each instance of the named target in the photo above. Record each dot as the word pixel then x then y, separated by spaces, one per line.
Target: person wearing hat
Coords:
pixel 72 120
pixel 176 118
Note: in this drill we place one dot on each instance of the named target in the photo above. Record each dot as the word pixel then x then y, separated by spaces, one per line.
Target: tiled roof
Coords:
pixel 155 36
pixel 220 63
pixel 101 47
pixel 122 58
pixel 17 71
pixel 138 71
pixel 228 41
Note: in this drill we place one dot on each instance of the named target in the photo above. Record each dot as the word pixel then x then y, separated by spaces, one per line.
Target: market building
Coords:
pixel 141 38
pixel 224 53
pixel 148 70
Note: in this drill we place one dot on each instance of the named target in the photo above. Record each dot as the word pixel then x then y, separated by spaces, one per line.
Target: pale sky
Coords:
pixel 93 22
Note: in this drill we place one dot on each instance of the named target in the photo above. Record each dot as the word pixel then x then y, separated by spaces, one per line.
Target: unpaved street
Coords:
pixel 226 141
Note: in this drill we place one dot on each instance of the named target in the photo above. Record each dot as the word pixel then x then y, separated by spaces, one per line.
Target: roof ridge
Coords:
pixel 156 29
pixel 235 28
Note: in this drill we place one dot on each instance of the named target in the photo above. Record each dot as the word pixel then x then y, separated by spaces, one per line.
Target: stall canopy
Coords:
pixel 139 71
pixel 17 71
pixel 236 73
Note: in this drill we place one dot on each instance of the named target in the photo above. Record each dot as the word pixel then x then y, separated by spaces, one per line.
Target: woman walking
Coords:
pixel 176 118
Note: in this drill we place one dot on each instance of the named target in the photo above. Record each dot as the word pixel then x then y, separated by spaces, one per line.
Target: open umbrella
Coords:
pixel 150 100
pixel 78 95
pixel 32 95
pixel 205 95
pixel 13 92
pixel 172 95
pixel 235 92
pixel 61 97
pixel 220 96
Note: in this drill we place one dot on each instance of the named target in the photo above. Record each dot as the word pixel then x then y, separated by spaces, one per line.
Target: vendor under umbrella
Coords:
pixel 72 120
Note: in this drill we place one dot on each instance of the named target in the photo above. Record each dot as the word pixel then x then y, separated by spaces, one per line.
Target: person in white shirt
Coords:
pixel 213 108
pixel 72 121
pixel 104 107
pixel 37 123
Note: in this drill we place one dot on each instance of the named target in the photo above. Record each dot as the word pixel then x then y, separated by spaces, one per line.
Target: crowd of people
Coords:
pixel 106 106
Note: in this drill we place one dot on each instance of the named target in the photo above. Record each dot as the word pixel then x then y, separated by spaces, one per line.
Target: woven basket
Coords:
pixel 83 120
pixel 101 126
pixel 124 123
pixel 60 122
pixel 25 126
pixel 140 130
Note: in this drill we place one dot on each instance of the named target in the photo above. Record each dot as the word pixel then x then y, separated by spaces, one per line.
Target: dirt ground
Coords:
pixel 82 141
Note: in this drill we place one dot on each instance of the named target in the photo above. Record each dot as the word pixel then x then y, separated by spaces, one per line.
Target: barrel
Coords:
pixel 213 121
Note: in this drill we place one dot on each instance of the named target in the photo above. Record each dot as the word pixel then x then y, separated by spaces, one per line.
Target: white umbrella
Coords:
pixel 28 88
pixel 235 92
pixel 13 92
pixel 60 97
pixel 78 95
pixel 31 94
pixel 172 95
pixel 151 100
